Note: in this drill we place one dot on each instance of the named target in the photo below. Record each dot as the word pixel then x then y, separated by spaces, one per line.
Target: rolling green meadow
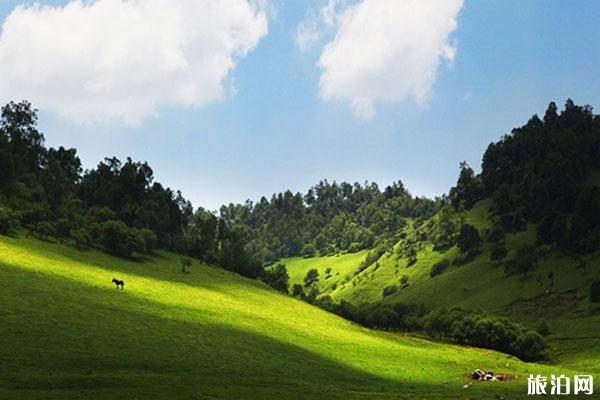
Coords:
pixel 67 333
pixel 481 284
pixel 347 291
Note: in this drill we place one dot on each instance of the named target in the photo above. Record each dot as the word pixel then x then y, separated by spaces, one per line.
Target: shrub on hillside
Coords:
pixel 467 257
pixel 439 267
pixel 309 250
pixel 485 331
pixel 371 258
pixel 389 290
pixel 119 239
pixel 468 238
pixel 276 277
pixel 297 291
pixel 312 276
pixel 404 281
pixel 456 325
pixel 312 294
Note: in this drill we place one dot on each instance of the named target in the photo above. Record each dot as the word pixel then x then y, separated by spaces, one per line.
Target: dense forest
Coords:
pixel 329 218
pixel 535 174
pixel 116 206
pixel 538 173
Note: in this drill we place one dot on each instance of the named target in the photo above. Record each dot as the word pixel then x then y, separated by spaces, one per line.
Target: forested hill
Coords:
pixel 532 175
pixel 519 240
pixel 538 174
pixel 329 218
pixel 117 206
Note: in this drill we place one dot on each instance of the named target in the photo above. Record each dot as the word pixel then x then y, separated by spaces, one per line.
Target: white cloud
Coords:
pixel 122 59
pixel 386 51
pixel 308 31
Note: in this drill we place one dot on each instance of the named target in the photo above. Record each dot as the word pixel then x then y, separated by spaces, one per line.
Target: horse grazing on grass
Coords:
pixel 119 283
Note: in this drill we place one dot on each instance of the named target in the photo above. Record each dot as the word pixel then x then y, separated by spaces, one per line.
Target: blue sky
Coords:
pixel 277 130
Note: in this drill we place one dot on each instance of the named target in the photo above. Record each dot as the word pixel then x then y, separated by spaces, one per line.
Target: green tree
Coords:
pixel 312 277
pixel 119 239
pixel 468 238
pixel 309 250
pixel 277 277
pixel 298 291
pixel 468 189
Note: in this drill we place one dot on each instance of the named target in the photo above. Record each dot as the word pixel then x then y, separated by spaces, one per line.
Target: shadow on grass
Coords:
pixel 62 339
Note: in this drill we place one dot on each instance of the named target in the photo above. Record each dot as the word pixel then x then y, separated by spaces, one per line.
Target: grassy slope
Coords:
pixel 482 284
pixel 341 266
pixel 66 333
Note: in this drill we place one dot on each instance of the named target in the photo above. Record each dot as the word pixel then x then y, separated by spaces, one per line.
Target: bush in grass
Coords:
pixel 486 331
pixel 467 257
pixel 312 276
pixel 404 281
pixel 389 290
pixel 468 238
pixel 455 325
pixel 312 294
pixel 309 250
pixel 371 257
pixel 297 291
pixel 439 267
pixel 277 277
pixel 119 239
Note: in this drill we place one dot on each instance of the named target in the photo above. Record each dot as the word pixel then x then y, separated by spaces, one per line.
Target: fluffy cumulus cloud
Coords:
pixel 122 59
pixel 385 50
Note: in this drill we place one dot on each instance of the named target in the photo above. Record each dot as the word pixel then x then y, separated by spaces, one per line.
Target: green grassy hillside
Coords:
pixel 342 267
pixel 482 285
pixel 67 333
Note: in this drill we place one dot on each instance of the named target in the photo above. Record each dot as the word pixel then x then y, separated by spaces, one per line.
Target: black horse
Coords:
pixel 119 283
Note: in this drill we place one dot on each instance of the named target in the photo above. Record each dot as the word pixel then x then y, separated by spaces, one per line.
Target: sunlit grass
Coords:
pixel 66 332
